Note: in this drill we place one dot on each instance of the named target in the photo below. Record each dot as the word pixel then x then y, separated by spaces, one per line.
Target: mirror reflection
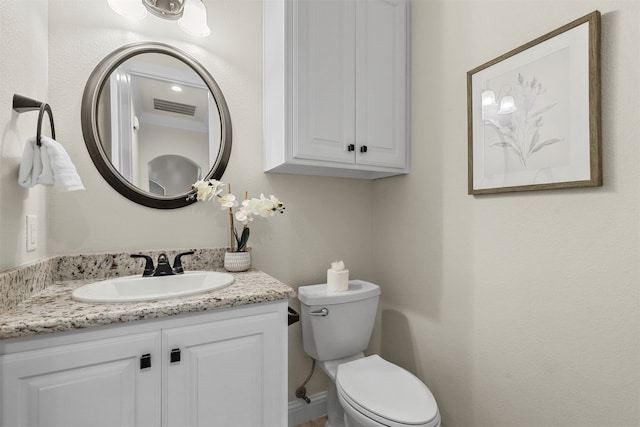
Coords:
pixel 155 121
pixel 158 124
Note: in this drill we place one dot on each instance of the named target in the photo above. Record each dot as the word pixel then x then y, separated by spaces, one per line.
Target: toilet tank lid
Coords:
pixel 320 295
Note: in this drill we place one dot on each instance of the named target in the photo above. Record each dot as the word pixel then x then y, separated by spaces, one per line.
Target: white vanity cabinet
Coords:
pixel 230 373
pixel 225 368
pixel 93 383
pixel 336 87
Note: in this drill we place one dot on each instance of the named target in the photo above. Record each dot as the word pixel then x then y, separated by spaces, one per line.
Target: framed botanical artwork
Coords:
pixel 534 114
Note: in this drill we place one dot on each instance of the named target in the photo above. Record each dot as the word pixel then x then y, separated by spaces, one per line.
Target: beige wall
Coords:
pixel 326 218
pixel 516 309
pixel 23 70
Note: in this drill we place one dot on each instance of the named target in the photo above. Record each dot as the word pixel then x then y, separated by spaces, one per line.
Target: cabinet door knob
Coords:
pixel 175 355
pixel 351 147
pixel 363 148
pixel 145 361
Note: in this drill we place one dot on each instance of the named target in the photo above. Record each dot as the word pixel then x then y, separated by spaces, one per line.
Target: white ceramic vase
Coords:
pixel 237 261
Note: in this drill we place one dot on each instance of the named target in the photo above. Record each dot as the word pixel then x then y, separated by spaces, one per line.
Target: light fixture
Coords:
pixel 166 9
pixel 190 14
pixel 176 88
pixel 194 19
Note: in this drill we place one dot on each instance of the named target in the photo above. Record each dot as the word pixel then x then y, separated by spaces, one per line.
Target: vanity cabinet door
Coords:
pixel 97 383
pixel 227 373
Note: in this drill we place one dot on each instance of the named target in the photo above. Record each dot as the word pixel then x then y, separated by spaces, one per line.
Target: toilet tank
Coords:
pixel 337 324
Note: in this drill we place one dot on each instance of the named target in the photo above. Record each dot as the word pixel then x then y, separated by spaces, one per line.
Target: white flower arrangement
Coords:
pixel 249 208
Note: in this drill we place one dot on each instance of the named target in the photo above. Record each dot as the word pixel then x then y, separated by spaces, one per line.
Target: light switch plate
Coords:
pixel 32 233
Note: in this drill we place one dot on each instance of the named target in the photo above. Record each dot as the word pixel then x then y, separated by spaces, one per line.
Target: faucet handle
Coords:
pixel 148 266
pixel 177 262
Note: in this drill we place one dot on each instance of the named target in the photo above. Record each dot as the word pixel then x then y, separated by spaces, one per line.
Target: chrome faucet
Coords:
pixel 163 267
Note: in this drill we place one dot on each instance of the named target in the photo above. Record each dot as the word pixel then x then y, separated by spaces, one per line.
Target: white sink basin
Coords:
pixel 138 288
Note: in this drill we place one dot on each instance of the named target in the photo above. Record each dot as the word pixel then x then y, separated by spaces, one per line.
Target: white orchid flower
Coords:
pixel 267 207
pixel 244 216
pixel 277 204
pixel 207 190
pixel 227 201
pixel 248 210
pixel 215 187
pixel 202 190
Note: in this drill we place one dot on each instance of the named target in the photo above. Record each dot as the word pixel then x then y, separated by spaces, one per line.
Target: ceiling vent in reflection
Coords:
pixel 174 107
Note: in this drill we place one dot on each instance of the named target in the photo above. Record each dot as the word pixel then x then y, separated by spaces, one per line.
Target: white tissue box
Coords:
pixel 337 281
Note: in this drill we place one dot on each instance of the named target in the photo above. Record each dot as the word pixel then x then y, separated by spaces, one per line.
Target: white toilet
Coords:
pixel 365 391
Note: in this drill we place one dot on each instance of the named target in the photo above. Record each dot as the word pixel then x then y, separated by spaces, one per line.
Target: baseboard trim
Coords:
pixel 301 412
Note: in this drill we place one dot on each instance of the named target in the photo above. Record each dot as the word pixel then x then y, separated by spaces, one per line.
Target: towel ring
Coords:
pixel 45 108
pixel 23 104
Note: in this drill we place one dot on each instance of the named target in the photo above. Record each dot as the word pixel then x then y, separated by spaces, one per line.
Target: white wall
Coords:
pixel 23 70
pixel 326 219
pixel 516 309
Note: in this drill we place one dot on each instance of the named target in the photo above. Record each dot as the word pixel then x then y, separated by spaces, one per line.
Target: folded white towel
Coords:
pixel 47 164
pixel 31 164
pixel 57 164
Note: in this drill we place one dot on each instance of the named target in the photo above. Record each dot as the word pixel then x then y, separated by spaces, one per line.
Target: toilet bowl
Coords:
pixel 365 391
pixel 375 392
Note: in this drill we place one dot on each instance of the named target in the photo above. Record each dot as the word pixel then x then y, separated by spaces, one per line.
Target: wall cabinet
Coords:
pixel 336 87
pixel 217 369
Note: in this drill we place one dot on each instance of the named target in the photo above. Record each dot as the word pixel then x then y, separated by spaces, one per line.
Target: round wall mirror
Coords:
pixel 155 121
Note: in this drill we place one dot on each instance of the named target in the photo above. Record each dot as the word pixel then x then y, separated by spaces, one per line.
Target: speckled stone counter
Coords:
pixel 53 310
pixel 21 282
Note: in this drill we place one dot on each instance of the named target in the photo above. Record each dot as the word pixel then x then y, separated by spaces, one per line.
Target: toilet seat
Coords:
pixel 386 393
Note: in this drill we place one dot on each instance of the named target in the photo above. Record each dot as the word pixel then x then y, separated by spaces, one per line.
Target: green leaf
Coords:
pixel 244 239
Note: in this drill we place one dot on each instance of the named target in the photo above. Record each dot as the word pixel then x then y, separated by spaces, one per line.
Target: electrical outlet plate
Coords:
pixel 32 233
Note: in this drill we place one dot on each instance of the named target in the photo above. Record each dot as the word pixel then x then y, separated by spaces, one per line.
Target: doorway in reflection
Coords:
pixel 171 174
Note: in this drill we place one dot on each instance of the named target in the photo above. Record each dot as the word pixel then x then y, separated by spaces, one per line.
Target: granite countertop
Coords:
pixel 53 310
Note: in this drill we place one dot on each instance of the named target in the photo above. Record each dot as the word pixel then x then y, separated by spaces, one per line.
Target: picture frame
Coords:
pixel 534 114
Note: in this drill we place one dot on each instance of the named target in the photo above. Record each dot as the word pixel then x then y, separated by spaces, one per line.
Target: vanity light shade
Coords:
pixel 132 9
pixel 194 18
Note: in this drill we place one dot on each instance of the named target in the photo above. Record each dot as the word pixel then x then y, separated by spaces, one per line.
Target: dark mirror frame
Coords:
pixel 93 88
